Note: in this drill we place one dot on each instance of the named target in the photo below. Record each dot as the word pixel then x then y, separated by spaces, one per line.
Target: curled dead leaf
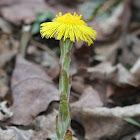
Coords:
pixel 106 123
pixel 115 74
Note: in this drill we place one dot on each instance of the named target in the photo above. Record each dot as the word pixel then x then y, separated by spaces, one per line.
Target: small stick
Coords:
pixel 44 47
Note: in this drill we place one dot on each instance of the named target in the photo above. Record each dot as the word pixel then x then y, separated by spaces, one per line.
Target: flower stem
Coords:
pixel 64 117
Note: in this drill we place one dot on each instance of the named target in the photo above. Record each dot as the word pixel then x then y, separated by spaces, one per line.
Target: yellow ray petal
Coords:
pixel 68 26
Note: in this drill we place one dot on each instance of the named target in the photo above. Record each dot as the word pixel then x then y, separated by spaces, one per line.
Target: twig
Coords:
pixel 4 33
pixel 75 94
pixel 44 47
pixel 4 37
pixel 106 6
pixel 103 8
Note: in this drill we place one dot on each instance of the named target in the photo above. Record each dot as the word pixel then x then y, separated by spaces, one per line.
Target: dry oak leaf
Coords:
pixel 117 74
pixel 26 10
pixel 6 2
pixel 8 50
pixel 90 98
pixel 32 91
pixel 14 133
pixel 133 136
pixel 4 88
pixel 106 123
pixel 46 125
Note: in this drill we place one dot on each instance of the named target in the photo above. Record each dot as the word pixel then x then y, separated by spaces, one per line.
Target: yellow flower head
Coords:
pixel 68 26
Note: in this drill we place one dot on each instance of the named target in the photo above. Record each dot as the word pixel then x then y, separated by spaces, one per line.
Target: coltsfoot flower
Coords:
pixel 68 26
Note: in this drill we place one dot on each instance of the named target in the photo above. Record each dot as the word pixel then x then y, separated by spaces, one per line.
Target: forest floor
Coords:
pixel 105 92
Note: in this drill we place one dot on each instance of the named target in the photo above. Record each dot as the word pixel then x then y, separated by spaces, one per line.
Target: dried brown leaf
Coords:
pixel 126 15
pixel 133 136
pixel 32 91
pixel 135 70
pixel 106 123
pixel 54 72
pixel 100 35
pixel 24 10
pixel 78 84
pixel 7 134
pixel 8 49
pixel 110 24
pixel 108 51
pixel 136 3
pixel 89 99
pixel 115 74
pixel 5 112
pixel 129 50
pixel 14 133
pixel 5 26
pixel 3 84
pixel 46 125
pixel 6 2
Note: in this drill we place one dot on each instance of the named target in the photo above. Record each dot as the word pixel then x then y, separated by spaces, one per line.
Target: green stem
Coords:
pixel 64 117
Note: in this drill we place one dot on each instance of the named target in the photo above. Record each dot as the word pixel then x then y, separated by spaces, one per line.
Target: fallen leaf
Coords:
pixel 5 26
pixel 7 134
pixel 115 74
pixel 78 84
pixel 133 136
pixel 136 3
pixel 97 28
pixel 135 70
pixel 88 8
pixel 135 47
pixel 109 25
pixel 6 56
pixel 54 72
pixel 108 51
pixel 32 91
pixel 8 49
pixel 120 76
pixel 90 99
pixel 81 55
pixel 129 45
pixel 64 2
pixel 126 15
pixel 117 52
pixel 14 133
pixel 21 133
pixel 5 112
pixel 48 60
pixel 26 11
pixel 6 2
pixel 106 123
pixel 46 125
pixel 3 84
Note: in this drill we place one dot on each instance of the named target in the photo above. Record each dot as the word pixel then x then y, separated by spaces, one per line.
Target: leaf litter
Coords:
pixel 32 91
pixel 106 81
